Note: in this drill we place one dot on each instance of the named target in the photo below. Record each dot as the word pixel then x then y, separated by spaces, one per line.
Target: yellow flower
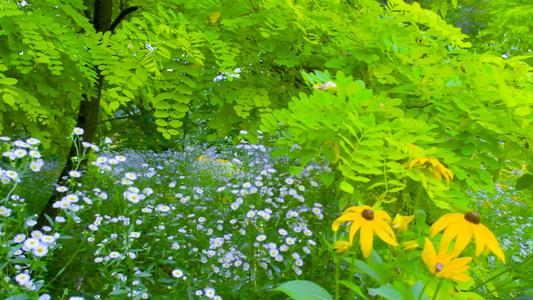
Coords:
pixel 369 221
pixel 341 247
pixel 463 227
pixel 433 165
pixel 445 265
pixel 400 222
pixel 410 245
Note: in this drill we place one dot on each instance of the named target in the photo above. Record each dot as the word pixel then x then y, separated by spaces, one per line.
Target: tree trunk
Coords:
pixel 88 113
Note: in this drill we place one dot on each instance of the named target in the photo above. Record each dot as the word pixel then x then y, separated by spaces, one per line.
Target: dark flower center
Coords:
pixel 438 267
pixel 368 214
pixel 473 217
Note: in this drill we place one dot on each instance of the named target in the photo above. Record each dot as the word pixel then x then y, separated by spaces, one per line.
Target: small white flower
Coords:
pixel 177 273
pixel 114 254
pixel 61 188
pixel 19 153
pixel 130 176
pixel 78 131
pixel 261 237
pixel 19 238
pixel 4 211
pixel 40 251
pixel 23 278
pixel 74 174
pixel 135 234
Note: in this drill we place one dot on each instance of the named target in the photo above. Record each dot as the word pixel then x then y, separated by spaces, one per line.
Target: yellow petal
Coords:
pixel 358 209
pixel 492 242
pixel 383 215
pixel 461 277
pixel 464 236
pixel 444 222
pixel 367 238
pixel 355 227
pixel 429 256
pixel 480 238
pixel 344 218
pixel 385 233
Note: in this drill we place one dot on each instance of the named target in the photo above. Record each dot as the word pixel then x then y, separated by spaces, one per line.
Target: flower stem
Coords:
pixel 65 267
pixel 438 288
pixel 424 288
pixel 337 277
pixel 502 272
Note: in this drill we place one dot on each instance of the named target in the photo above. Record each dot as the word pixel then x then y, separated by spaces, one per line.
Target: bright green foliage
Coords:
pixel 418 85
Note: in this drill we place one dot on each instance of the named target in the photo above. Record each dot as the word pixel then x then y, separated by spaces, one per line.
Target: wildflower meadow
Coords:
pixel 266 149
pixel 233 223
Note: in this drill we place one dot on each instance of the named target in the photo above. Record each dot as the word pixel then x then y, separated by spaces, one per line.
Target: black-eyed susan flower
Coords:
pixel 410 245
pixel 433 166
pixel 341 247
pixel 462 227
pixel 368 221
pixel 445 264
pixel 400 222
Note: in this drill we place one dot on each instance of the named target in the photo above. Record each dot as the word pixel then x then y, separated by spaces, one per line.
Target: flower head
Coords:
pixel 445 264
pixel 368 221
pixel 433 166
pixel 410 245
pixel 462 227
pixel 341 247
pixel 400 222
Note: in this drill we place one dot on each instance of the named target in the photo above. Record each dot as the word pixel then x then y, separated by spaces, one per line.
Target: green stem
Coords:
pixel 352 271
pixel 424 288
pixel 438 288
pixel 390 272
pixel 65 267
pixel 337 277
pixel 503 272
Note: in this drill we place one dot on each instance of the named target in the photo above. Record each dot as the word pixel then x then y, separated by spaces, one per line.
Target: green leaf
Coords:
pixel 345 186
pixel 303 290
pixel 294 170
pixel 162 96
pixel 8 81
pixel 160 114
pixel 9 99
pixel 387 292
pixel 114 105
pixel 175 123
pixel 118 292
pixel 469 149
pixel 522 111
pixel 279 152
pixel 368 270
pixel 162 105
pixel 327 178
pixel 524 182
pixel 354 287
pixel 417 289
pixel 18 297
pixel 161 122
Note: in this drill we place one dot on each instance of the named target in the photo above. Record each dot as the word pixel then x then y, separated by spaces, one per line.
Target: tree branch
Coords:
pixel 122 15
pixel 126 117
